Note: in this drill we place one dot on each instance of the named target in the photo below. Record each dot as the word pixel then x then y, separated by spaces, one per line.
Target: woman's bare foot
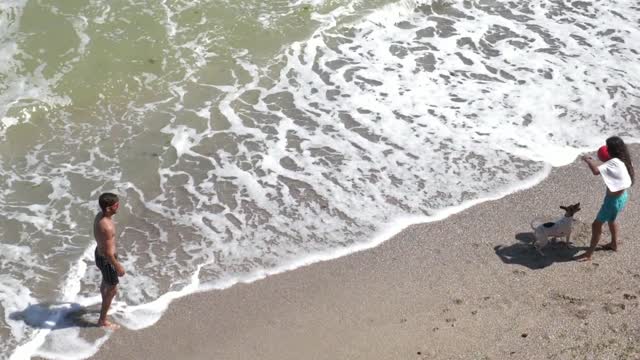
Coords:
pixel 584 257
pixel 610 246
pixel 109 325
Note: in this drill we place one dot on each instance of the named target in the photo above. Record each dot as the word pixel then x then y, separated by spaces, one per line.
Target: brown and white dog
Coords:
pixel 560 228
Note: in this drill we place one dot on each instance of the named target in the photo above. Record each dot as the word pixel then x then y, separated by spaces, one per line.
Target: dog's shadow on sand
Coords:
pixel 523 252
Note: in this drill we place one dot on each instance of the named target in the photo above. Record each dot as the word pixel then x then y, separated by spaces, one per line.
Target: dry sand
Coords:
pixel 468 287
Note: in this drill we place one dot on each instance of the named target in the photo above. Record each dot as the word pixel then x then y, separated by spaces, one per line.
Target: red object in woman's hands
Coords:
pixel 603 153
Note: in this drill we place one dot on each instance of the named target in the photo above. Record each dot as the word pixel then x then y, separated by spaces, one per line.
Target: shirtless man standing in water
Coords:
pixel 104 231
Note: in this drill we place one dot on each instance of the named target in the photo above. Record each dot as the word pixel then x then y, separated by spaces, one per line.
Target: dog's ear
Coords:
pixel 563 208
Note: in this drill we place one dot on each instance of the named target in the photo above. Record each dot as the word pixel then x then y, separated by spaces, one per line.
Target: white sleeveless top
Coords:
pixel 615 175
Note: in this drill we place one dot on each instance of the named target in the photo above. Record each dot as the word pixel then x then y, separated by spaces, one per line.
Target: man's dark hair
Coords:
pixel 106 200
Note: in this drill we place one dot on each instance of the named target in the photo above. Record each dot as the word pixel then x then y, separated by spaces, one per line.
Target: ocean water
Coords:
pixel 249 137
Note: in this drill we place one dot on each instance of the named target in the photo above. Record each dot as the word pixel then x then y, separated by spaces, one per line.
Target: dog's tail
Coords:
pixel 535 223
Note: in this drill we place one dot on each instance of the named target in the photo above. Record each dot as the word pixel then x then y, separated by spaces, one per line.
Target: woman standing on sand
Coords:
pixel 618 175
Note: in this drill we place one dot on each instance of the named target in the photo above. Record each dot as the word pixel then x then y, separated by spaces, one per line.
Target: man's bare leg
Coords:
pixel 614 228
pixel 596 231
pixel 108 292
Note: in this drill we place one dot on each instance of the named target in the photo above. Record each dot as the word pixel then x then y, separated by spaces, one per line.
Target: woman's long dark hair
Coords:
pixel 618 149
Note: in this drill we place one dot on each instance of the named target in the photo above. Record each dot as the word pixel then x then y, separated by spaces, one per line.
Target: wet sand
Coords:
pixel 468 287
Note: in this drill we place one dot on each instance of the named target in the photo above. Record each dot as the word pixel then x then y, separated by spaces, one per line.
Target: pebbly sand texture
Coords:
pixel 468 287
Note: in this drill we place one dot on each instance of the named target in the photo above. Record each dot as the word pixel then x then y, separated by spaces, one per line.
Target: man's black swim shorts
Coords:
pixel 109 274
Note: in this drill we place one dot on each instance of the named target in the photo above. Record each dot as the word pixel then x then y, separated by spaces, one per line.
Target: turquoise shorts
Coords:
pixel 611 207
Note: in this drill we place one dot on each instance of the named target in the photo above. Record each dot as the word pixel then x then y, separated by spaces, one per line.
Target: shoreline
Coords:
pixel 412 297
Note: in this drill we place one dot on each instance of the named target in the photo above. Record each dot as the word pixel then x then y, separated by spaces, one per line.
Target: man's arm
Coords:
pixel 109 237
pixel 592 165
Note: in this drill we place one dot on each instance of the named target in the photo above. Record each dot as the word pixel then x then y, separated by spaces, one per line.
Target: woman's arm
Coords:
pixel 592 164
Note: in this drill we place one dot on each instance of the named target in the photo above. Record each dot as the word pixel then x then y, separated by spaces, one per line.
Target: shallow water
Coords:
pixel 250 137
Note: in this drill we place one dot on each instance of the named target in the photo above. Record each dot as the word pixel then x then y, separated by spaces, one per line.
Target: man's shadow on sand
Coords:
pixel 56 316
pixel 523 252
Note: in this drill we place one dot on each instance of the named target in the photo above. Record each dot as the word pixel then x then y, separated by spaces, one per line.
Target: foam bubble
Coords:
pixel 183 138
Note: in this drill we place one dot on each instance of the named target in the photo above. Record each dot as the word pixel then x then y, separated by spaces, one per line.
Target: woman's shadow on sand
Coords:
pixel 56 315
pixel 524 253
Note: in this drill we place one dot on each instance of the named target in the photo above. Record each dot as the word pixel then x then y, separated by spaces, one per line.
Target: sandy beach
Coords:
pixel 468 287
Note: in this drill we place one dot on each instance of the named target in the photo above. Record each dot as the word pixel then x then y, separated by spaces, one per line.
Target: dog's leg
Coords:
pixel 568 238
pixel 541 240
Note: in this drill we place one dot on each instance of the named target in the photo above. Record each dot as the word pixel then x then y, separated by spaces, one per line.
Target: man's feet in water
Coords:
pixel 109 325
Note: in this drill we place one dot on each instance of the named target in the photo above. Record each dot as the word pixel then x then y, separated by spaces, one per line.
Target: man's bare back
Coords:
pixel 104 232
pixel 102 225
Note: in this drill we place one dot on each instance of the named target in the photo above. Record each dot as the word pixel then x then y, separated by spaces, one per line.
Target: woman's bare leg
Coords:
pixel 614 228
pixel 596 231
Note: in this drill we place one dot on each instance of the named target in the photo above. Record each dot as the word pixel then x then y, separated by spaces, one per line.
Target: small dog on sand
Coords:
pixel 562 227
